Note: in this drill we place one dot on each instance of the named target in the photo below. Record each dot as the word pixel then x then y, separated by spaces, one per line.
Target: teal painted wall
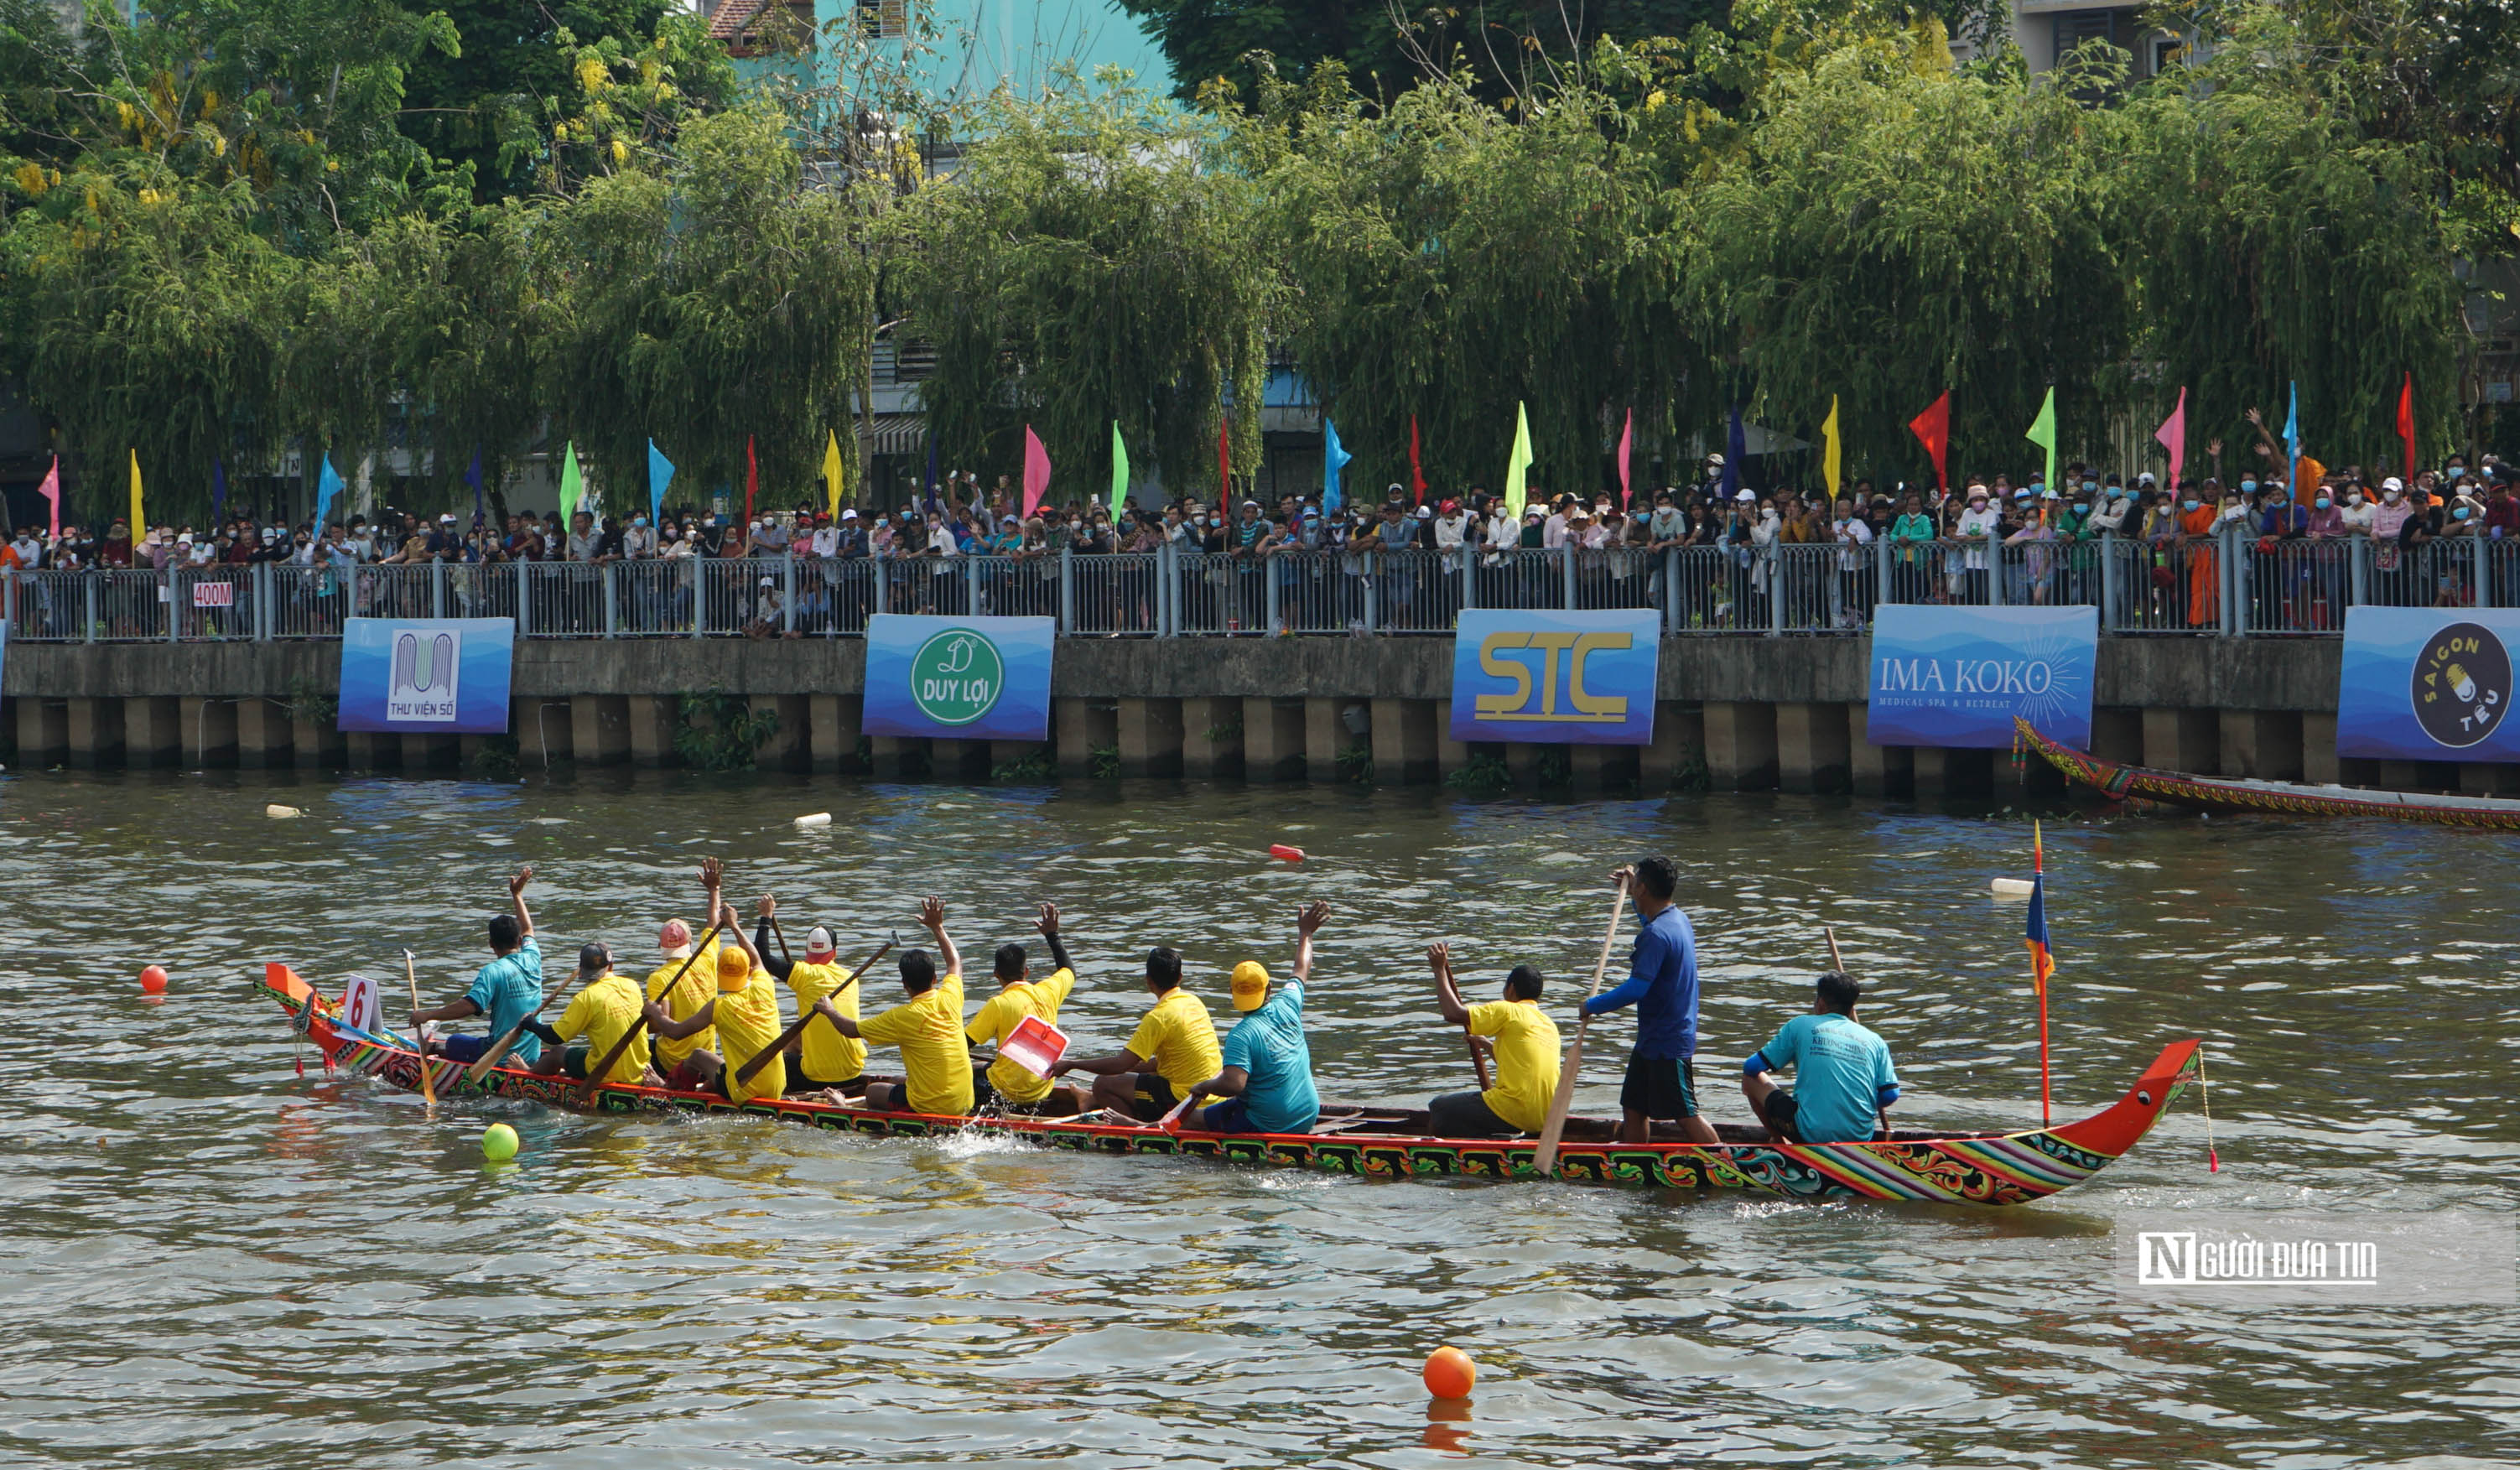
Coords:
pixel 1019 42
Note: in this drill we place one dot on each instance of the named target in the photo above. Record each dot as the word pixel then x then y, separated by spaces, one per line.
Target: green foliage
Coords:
pixel 1356 763
pixel 1032 768
pixel 311 703
pixel 1554 766
pixel 721 731
pixel 1106 762
pixel 496 758
pixel 1481 775
pixel 1692 774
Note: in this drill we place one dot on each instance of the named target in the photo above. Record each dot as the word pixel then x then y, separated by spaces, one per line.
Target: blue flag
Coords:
pixel 474 475
pixel 219 489
pixel 328 484
pixel 1735 450
pixel 2292 435
pixel 660 474
pixel 1335 457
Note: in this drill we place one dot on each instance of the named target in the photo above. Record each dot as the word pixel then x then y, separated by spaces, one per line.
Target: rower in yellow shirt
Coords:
pixel 1020 996
pixel 1173 1049
pixel 745 1010
pixel 605 1008
pixel 928 1028
pixel 826 1060
pixel 673 1055
pixel 1525 1049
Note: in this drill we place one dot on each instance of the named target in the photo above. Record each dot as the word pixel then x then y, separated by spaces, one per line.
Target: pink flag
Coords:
pixel 1036 480
pixel 1627 442
pixel 51 490
pixel 2172 435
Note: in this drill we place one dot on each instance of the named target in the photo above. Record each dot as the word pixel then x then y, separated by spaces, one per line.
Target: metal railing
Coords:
pixel 2230 584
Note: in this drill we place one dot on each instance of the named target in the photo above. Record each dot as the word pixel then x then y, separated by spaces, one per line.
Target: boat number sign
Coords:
pixel 962 677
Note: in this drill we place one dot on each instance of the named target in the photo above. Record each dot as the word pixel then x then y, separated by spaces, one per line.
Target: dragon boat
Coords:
pixel 1947 1167
pixel 2119 781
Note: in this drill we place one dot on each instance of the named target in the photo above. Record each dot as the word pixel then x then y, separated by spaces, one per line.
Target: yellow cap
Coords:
pixel 734 971
pixel 1250 985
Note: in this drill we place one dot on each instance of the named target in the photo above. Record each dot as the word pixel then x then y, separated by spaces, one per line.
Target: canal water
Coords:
pixel 211 1259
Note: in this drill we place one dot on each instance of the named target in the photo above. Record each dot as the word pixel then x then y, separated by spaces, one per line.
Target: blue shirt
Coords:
pixel 1662 985
pixel 1842 1075
pixel 1269 1045
pixel 509 989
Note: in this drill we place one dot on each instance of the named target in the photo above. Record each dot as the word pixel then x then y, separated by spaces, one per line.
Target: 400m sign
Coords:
pixel 958 678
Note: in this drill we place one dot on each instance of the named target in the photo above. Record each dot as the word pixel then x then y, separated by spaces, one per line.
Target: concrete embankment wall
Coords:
pixel 1732 713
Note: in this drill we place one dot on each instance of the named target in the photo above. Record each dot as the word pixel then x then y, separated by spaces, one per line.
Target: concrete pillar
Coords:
pixel 1151 738
pixel 897 757
pixel 1450 755
pixel 958 760
pixel 1404 741
pixel 600 729
pixel 1813 747
pixel 1877 770
pixel 2117 734
pixel 1084 727
pixel 264 739
pixel 1596 769
pixel 2260 742
pixel 431 752
pixel 2182 741
pixel 654 721
pixel 95 732
pixel 1325 735
pixel 2420 776
pixel 1211 738
pixel 316 744
pixel 833 736
pixel 786 749
pixel 2355 771
pixel 1273 740
pixel 1679 745
pixel 43 732
pixel 1011 756
pixel 544 731
pixel 368 751
pixel 2319 762
pixel 1522 762
pixel 1740 746
pixel 150 737
pixel 209 731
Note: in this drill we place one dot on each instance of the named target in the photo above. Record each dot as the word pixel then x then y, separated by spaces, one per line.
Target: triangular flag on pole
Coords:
pixel 328 484
pixel 1518 466
pixel 474 476
pixel 1830 462
pixel 137 525
pixel 1119 470
pixel 1036 472
pixel 1335 457
pixel 660 474
pixel 2172 435
pixel 218 490
pixel 2407 424
pixel 2292 438
pixel 2043 433
pixel 1737 448
pixel 51 490
pixel 1933 429
pixel 1627 447
pixel 1416 470
pixel 832 475
pixel 751 477
pixel 572 481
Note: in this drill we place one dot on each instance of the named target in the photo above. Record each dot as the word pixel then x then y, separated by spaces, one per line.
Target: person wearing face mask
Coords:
pixel 1976 528
pixel 2200 510
pixel 2388 545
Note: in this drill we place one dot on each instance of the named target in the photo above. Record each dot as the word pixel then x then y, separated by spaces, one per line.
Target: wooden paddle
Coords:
pixel 427 1089
pixel 595 1074
pixel 780 1043
pixel 1544 1159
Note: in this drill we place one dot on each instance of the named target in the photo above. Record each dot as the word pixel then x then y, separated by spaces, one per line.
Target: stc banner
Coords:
pixel 1958 676
pixel 2427 684
pixel 426 675
pixel 958 678
pixel 1555 678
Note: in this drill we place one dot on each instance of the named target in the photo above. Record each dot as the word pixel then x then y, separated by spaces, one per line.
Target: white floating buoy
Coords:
pixel 2010 887
pixel 277 810
pixel 814 819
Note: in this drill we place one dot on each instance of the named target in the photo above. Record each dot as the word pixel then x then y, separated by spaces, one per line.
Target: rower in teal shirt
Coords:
pixel 1267 1081
pixel 508 990
pixel 1844 1082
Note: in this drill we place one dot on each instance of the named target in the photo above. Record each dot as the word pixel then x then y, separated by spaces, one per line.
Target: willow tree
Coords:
pixel 1087 263
pixel 704 298
pixel 1450 259
pixel 1891 230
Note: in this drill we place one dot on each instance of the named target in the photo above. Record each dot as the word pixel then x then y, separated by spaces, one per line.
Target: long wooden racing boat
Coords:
pixel 1964 1168
pixel 2122 782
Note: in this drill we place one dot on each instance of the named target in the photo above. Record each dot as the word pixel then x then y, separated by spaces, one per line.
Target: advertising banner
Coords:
pixel 426 675
pixel 958 678
pixel 1958 676
pixel 1555 678
pixel 2427 684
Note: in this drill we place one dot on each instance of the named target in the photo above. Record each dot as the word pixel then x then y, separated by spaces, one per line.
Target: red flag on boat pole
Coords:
pixel 1933 429
pixel 2042 963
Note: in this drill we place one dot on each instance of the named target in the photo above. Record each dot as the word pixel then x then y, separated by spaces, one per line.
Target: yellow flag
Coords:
pixel 137 524
pixel 1517 469
pixel 1828 460
pixel 831 473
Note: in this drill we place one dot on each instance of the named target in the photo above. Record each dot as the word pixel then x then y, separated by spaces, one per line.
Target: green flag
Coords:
pixel 572 483
pixel 1119 470
pixel 1520 466
pixel 2043 433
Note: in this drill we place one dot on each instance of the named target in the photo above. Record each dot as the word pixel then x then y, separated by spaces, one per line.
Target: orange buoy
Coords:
pixel 1282 851
pixel 153 980
pixel 1450 1373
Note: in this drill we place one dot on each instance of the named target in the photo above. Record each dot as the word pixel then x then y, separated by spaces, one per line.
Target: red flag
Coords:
pixel 1627 443
pixel 751 479
pixel 1036 472
pixel 1933 428
pixel 1417 471
pixel 2407 424
pixel 1224 464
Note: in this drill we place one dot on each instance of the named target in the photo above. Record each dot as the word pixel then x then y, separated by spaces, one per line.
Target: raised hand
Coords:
pixel 1310 917
pixel 728 919
pixel 712 874
pixel 1439 957
pixel 932 915
pixel 1047 923
pixel 768 908
pixel 516 884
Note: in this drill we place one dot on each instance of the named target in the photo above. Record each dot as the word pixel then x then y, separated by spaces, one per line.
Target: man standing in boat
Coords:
pixel 1844 1082
pixel 1662 985
pixel 508 990
pixel 1525 1050
pixel 1266 1075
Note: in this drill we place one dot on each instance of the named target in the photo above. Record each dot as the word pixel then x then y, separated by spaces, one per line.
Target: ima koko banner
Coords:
pixel 1958 676
pixel 1555 678
pixel 2427 684
pixel 426 675
pixel 958 678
